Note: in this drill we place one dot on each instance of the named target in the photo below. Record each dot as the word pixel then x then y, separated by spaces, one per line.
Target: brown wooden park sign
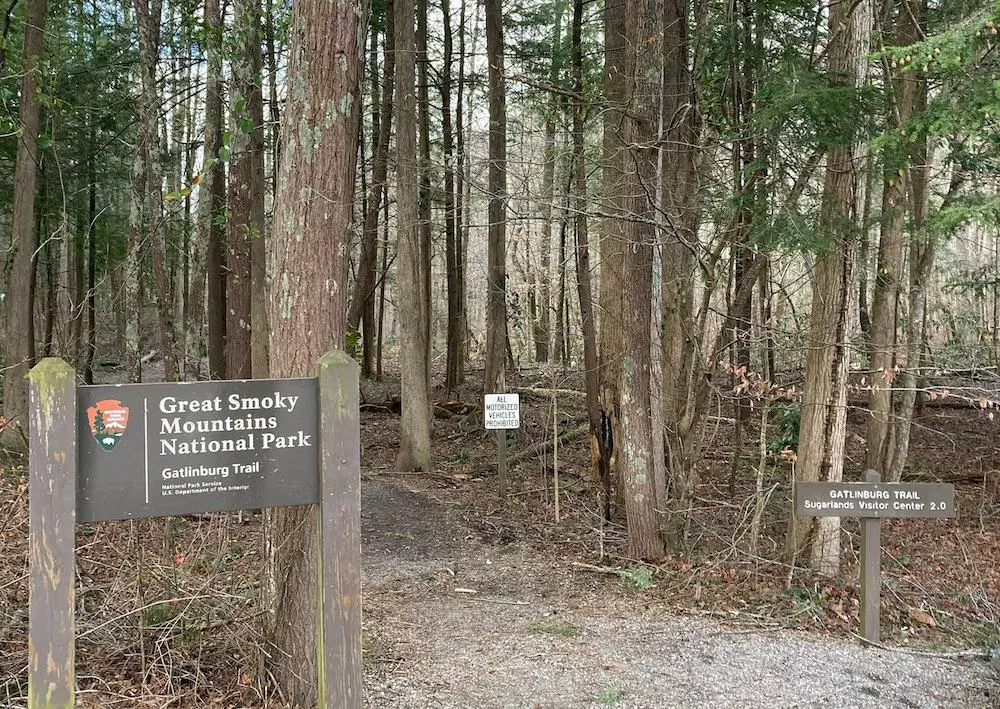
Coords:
pixel 148 450
pixel 873 500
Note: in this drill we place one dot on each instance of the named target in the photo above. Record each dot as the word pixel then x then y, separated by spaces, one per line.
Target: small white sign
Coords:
pixel 502 411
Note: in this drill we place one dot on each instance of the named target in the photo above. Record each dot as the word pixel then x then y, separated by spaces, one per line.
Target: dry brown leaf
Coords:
pixel 923 617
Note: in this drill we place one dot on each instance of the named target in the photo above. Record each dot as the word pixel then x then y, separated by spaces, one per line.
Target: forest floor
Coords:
pixel 469 602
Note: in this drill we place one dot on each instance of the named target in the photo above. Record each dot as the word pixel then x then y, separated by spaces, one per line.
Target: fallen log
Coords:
pixel 548 391
pixel 442 409
pixel 542 447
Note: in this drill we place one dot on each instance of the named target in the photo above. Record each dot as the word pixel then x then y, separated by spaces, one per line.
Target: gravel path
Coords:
pixel 478 654
pixel 452 624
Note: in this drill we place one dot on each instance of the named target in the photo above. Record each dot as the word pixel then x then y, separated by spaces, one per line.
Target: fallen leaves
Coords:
pixel 922 617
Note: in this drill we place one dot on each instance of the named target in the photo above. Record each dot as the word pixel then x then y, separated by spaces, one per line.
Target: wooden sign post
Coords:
pixel 150 450
pixel 500 413
pixel 52 535
pixel 873 500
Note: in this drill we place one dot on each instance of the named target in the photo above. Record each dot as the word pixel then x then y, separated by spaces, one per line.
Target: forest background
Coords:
pixel 757 211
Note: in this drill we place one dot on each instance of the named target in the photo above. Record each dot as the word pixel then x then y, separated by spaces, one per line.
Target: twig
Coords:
pixel 146 607
pixel 597 569
pixel 501 601
pixel 974 653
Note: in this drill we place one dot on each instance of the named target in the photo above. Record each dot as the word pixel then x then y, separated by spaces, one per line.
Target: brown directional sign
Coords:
pixel 148 450
pixel 874 499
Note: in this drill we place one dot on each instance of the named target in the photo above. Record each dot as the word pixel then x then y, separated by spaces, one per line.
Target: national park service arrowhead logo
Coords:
pixel 108 421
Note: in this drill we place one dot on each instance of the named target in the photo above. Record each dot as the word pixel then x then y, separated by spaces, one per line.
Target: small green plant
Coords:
pixel 639 576
pixel 355 344
pixel 461 457
pixel 400 535
pixel 158 614
pixel 562 629
pixel 609 697
pixel 787 417
pixel 191 638
pixel 797 593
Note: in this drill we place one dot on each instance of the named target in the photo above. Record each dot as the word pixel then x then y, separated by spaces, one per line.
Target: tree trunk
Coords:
pixel 18 341
pixel 610 345
pixel 91 304
pixel 580 229
pixel 824 407
pixel 559 326
pixel 415 426
pixel 274 115
pixel 888 273
pixel 496 273
pixel 246 204
pixel 74 266
pixel 460 203
pixel 639 128
pixel 543 327
pixel 133 273
pixel 451 225
pixel 922 250
pixel 148 23
pixel 368 323
pixel 308 302
pixel 208 281
pixel 364 295
pixel 260 329
pixel 48 305
pixel 424 163
pixel 684 382
pixel 383 271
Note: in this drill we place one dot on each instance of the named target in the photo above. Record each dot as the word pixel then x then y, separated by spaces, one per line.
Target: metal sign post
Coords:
pixel 873 500
pixel 149 450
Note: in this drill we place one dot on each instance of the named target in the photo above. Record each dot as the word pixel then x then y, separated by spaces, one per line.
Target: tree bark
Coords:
pixel 424 165
pixel 612 251
pixel 363 298
pixel 148 23
pixel 455 333
pixel 824 407
pixel 209 276
pixel 639 131
pixel 133 273
pixel 902 88
pixel 496 273
pixel 610 344
pixel 922 251
pixel 308 302
pixel 580 229
pixel 461 184
pixel 18 341
pixel 415 425
pixel 543 328
pixel 684 382
pixel 245 278
pixel 91 304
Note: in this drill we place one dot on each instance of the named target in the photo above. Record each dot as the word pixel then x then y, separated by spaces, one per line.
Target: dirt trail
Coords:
pixel 451 621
